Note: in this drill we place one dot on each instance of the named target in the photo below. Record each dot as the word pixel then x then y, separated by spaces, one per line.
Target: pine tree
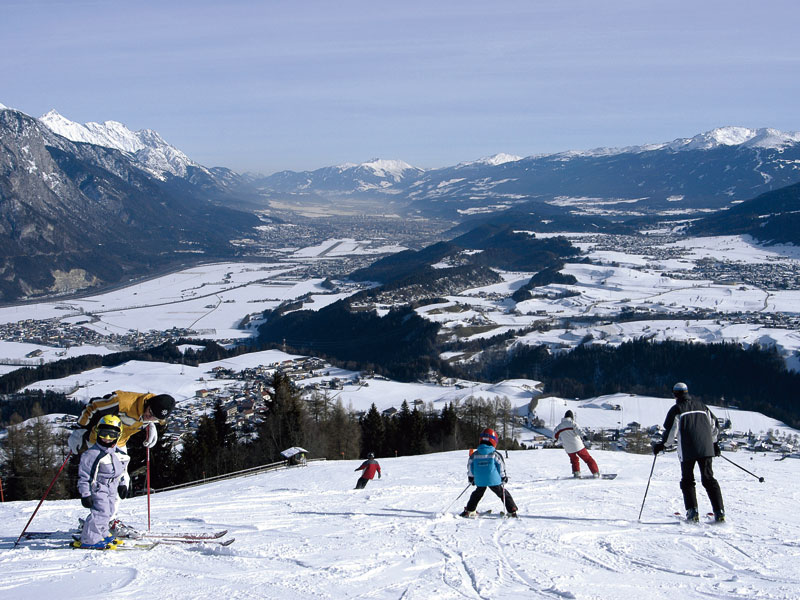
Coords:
pixel 286 423
pixel 373 434
pixel 343 434
pixel 32 455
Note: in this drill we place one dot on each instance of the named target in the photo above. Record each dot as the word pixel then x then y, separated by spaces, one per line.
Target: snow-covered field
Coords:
pixel 213 299
pixel 305 533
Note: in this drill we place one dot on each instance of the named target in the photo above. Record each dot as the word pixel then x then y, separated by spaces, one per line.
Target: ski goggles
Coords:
pixel 108 434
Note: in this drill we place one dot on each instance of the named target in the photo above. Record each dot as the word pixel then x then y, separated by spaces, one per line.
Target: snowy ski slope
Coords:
pixel 305 533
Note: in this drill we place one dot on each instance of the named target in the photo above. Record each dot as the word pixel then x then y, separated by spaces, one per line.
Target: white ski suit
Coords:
pixel 99 474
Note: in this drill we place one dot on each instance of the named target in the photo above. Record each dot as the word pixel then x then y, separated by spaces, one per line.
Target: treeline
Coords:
pixel 754 378
pixel 24 406
pixel 400 344
pixel 31 455
pixel 167 352
pixel 325 428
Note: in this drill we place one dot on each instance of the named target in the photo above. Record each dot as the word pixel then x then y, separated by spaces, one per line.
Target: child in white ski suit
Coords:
pixel 99 475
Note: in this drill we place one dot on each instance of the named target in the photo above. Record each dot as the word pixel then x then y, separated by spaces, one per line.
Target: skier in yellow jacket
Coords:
pixel 135 410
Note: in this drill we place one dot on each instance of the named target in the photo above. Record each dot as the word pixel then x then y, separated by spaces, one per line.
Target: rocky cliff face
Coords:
pixel 77 214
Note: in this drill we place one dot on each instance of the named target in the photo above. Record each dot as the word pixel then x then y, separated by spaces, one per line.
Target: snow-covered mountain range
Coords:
pixel 703 173
pixel 146 146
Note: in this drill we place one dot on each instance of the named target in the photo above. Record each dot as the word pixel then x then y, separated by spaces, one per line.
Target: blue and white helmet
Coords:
pixel 680 388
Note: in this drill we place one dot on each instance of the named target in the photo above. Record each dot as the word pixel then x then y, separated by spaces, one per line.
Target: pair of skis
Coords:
pixel 182 538
pixel 135 540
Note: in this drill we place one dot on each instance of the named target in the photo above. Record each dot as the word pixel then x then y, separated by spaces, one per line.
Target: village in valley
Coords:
pixel 747 295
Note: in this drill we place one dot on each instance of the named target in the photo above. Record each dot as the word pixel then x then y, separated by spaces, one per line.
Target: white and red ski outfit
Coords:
pixel 571 438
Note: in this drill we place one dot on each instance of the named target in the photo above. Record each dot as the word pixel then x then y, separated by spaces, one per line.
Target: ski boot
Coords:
pixel 513 514
pixel 692 515
pixel 469 514
pixel 576 474
pixel 118 529
pixel 719 516
pixel 596 475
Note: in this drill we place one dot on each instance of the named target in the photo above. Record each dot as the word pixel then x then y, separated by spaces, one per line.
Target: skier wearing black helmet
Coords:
pixel 694 427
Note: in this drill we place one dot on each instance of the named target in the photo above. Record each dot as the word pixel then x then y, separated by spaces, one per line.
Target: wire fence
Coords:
pixel 244 473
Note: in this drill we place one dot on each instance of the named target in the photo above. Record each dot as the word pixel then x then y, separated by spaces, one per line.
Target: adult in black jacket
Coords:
pixel 694 427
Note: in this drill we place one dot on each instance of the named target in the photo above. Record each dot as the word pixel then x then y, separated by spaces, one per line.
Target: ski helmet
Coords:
pixel 569 415
pixel 489 436
pixel 108 430
pixel 371 455
pixel 680 388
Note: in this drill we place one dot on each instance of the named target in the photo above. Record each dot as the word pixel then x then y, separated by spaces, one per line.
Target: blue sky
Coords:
pixel 266 86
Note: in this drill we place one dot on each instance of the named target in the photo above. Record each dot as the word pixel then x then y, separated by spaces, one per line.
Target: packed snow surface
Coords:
pixel 303 532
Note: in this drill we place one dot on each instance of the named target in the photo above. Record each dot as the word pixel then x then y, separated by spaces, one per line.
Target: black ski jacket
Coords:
pixel 693 426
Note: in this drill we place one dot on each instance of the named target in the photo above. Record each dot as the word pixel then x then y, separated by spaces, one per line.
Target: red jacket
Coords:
pixel 370 467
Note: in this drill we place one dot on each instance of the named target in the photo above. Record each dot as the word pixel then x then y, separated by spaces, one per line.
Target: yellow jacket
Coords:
pixel 128 406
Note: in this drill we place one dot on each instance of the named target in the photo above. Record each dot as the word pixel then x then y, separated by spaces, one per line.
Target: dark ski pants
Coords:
pixel 499 491
pixel 361 483
pixel 706 478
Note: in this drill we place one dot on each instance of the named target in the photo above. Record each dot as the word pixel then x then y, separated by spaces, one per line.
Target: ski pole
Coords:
pixel 52 483
pixel 147 482
pixel 648 485
pixel 457 497
pixel 760 479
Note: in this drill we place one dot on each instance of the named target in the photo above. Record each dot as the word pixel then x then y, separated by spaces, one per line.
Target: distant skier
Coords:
pixel 370 467
pixel 99 475
pixel 571 438
pixel 694 426
pixel 486 468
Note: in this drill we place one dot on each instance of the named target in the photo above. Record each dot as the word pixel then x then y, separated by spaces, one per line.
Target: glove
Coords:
pixel 471 480
pixel 717 449
pixel 658 447
pixel 151 436
pixel 77 440
pixel 504 479
pixel 379 475
pixel 122 491
pixel 86 502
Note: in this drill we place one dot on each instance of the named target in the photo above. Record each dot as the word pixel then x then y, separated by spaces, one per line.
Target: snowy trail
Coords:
pixel 305 533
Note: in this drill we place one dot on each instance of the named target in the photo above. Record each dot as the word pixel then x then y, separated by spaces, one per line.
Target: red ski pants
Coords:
pixel 586 457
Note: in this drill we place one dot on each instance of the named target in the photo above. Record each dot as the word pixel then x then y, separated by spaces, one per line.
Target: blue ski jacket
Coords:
pixel 487 466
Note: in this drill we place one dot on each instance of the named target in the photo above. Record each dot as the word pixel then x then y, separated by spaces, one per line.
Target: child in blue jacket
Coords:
pixel 486 468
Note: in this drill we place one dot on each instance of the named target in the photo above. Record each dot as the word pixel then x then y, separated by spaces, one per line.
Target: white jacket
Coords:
pixel 569 434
